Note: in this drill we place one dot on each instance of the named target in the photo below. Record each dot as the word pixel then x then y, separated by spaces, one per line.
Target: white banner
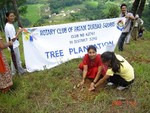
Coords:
pixel 48 46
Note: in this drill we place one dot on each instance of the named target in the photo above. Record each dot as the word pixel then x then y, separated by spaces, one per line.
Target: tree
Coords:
pixel 138 7
pixel 141 7
pixel 113 12
pixel 135 6
pixel 17 13
pixel 3 10
pixel 7 5
pixel 146 17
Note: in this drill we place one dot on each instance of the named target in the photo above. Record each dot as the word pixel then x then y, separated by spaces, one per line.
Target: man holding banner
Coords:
pixel 129 17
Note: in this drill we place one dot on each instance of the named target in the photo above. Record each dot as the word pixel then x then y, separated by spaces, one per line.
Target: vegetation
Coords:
pixel 10 5
pixel 36 1
pixel 87 10
pixel 31 15
pixel 146 17
pixel 51 91
pixel 57 5
pixel 84 10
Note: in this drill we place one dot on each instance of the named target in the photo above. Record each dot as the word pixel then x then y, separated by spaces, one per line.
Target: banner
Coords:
pixel 48 46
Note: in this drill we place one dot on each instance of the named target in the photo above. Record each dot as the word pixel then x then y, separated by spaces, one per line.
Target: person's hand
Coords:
pixel 82 82
pixel 20 30
pixel 92 87
pixel 10 43
pixel 14 39
pixel 127 16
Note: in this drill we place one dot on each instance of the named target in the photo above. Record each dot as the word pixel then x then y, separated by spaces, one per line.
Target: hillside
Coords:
pixel 51 91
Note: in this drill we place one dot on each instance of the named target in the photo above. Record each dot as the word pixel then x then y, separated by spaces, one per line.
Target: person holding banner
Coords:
pixel 5 75
pixel 119 73
pixel 92 66
pixel 12 35
pixel 129 17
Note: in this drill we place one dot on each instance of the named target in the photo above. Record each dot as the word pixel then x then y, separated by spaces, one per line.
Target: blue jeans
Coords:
pixel 18 61
pixel 121 40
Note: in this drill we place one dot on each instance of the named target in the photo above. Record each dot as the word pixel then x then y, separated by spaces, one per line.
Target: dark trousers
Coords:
pixel 121 40
pixel 119 81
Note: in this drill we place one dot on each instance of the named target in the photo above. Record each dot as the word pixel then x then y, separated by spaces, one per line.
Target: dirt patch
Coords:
pixel 82 93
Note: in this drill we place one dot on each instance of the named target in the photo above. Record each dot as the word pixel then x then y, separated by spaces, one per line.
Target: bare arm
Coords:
pixel 130 17
pixel 3 46
pixel 98 74
pixel 17 34
pixel 93 85
pixel 85 70
pixel 102 80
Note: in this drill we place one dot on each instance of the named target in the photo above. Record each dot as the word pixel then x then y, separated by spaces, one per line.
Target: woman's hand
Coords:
pixel 14 39
pixel 92 86
pixel 10 43
pixel 20 30
pixel 82 82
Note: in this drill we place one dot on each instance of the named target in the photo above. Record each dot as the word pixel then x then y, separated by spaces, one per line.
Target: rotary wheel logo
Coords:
pixel 120 25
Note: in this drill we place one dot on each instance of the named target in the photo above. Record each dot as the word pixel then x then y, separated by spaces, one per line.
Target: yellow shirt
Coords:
pixel 126 70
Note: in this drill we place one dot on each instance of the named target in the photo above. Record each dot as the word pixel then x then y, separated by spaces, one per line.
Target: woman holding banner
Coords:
pixel 92 66
pixel 12 35
pixel 5 75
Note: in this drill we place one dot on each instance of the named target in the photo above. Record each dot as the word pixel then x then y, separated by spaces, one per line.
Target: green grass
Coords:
pixel 74 7
pixel 51 91
pixel 33 12
pixel 93 4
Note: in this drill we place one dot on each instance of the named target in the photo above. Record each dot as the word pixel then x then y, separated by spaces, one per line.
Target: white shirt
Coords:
pixel 11 33
pixel 128 22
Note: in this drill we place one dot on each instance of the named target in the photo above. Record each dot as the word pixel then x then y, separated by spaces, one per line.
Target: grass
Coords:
pixel 93 4
pixel 74 7
pixel 51 91
pixel 33 12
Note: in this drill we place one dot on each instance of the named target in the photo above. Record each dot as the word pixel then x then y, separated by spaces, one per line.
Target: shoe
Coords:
pixel 120 88
pixel 25 70
pixel 120 50
pixel 13 73
pixel 110 84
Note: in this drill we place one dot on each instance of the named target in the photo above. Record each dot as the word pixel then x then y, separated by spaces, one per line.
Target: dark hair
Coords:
pixel 91 47
pixel 7 15
pixel 123 5
pixel 114 62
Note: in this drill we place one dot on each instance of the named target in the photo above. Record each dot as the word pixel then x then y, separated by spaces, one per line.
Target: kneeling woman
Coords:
pixel 92 66
pixel 119 73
